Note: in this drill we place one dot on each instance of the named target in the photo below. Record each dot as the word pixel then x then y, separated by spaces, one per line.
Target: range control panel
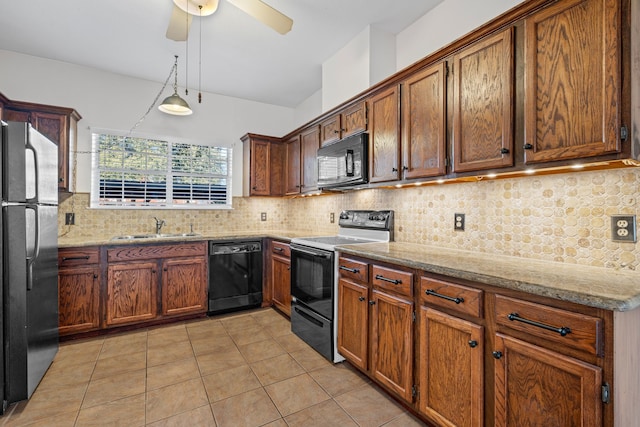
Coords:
pixel 378 220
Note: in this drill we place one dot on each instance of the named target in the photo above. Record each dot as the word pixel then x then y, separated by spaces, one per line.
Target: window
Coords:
pixel 135 172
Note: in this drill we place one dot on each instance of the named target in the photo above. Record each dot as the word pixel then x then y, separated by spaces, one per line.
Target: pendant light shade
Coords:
pixel 174 104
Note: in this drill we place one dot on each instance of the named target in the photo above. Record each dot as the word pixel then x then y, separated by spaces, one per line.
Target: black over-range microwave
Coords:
pixel 344 163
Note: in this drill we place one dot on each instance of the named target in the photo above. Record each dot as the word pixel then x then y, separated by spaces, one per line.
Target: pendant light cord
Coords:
pixel 174 69
pixel 200 60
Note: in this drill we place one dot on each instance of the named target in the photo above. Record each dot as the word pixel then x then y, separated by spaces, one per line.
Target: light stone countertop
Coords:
pixel 592 286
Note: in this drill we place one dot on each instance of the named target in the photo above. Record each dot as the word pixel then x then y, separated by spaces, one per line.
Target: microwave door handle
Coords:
pixel 350 167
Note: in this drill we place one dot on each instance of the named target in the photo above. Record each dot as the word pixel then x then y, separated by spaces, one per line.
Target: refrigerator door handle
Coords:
pixel 36 172
pixel 36 249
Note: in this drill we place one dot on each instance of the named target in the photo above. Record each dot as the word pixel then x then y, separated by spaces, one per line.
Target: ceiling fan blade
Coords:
pixel 265 14
pixel 179 24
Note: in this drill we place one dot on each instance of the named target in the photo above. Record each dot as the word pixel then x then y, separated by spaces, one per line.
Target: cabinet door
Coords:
pixel 384 136
pixel 330 129
pixel 450 352
pixel 483 104
pixel 281 281
pixel 353 322
pixel 536 386
pixel 310 142
pixel 572 80
pixel 184 286
pixel 354 119
pixel 78 299
pixel 131 292
pixel 260 158
pixel 54 127
pixel 292 185
pixel 392 343
pixel 424 123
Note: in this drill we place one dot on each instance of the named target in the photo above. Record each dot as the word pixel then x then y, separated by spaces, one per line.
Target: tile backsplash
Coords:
pixel 564 218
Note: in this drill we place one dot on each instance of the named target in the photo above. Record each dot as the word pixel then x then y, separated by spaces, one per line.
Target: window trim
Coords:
pixel 94 196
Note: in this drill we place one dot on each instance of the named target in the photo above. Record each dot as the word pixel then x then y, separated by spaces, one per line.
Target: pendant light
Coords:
pixel 174 104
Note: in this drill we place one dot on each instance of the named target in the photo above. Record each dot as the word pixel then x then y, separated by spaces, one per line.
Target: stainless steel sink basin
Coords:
pixel 155 236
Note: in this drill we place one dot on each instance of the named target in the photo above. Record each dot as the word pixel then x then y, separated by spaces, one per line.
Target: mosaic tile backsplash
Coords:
pixel 564 218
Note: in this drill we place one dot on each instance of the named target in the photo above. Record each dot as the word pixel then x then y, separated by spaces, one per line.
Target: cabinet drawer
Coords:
pixel 356 270
pixel 575 330
pixel 127 253
pixel 452 296
pixel 281 249
pixel 78 256
pixel 391 279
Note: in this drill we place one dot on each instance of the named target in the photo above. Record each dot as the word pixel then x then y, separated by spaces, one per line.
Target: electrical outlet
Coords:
pixel 263 216
pixel 332 217
pixel 69 218
pixel 458 223
pixel 623 228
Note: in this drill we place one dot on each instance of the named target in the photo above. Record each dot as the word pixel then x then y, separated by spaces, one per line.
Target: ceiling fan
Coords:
pixel 184 10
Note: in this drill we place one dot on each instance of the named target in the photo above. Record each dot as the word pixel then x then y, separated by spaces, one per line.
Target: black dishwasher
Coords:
pixel 235 275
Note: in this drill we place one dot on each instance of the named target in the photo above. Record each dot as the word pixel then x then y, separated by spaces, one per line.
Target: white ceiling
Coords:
pixel 241 57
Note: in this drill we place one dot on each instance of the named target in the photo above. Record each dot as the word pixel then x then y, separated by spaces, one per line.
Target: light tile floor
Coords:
pixel 245 369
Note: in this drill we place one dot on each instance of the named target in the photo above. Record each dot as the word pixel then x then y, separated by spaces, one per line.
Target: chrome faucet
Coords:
pixel 159 224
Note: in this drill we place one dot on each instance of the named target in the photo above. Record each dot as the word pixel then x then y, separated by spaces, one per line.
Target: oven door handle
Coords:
pixel 315 254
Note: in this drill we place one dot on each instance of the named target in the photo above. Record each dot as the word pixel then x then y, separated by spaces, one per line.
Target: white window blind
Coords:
pixel 131 172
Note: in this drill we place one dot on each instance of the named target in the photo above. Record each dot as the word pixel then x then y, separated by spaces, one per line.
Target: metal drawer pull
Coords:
pixel 278 249
pixel 74 258
pixel 384 279
pixel 563 331
pixel 457 300
pixel 350 270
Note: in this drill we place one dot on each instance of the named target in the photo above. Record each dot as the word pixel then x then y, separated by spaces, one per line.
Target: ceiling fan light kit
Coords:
pixel 198 7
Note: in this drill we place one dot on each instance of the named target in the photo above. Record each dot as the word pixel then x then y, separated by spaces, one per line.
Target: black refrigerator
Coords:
pixel 29 227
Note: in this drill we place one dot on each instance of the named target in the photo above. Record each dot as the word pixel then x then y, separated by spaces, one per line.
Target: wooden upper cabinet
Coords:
pixel 292 167
pixel 384 136
pixel 572 80
pixel 424 123
pixel 59 124
pixel 309 144
pixel 264 159
pixel 483 104
pixel 349 121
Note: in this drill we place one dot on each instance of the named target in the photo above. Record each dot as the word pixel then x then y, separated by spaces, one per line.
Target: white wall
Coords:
pixel 111 101
pixel 308 109
pixel 448 21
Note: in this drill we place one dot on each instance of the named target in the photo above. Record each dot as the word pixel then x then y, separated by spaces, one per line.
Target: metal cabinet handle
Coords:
pixel 528 146
pixel 361 298
pixel 497 354
pixel 350 270
pixel 278 249
pixel 95 276
pixel 384 279
pixel 504 151
pixel 372 302
pixel 74 258
pixel 473 343
pixel 563 330
pixel 457 300
pixel 394 169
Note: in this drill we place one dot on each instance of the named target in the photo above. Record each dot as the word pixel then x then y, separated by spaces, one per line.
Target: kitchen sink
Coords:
pixel 155 236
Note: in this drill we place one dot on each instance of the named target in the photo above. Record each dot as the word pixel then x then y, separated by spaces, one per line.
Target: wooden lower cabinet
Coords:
pixel 280 276
pixel 131 292
pixel 450 352
pixel 78 299
pixel 353 322
pixel 535 386
pixel 184 286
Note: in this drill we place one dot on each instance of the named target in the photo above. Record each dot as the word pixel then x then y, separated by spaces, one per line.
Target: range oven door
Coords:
pixel 312 278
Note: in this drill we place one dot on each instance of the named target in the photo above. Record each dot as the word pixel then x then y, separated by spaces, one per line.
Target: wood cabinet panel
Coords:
pixel 127 253
pixel 452 296
pixel 424 123
pixel 330 130
pixel 309 143
pixel 68 257
pixel 354 119
pixel 131 292
pixel 535 386
pixel 570 329
pixel 384 136
pixel 184 286
pixel 392 279
pixel 281 282
pixel 353 269
pixel 78 299
pixel 392 343
pixel 451 353
pixel 260 183
pixel 483 104
pixel 292 173
pixel 353 322
pixel 572 80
